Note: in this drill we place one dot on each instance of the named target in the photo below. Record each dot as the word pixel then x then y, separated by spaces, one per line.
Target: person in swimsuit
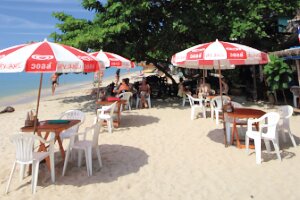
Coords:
pixel 144 92
pixel 54 79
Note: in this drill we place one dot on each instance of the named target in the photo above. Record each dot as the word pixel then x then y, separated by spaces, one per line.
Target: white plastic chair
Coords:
pixel 126 96
pixel 72 115
pixel 216 106
pixel 183 100
pixel 106 113
pixel 148 99
pixel 195 107
pixel 267 131
pixel 285 113
pixel 24 143
pixel 296 94
pixel 87 146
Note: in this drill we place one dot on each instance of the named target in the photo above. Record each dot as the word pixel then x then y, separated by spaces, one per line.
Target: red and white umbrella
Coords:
pixel 46 57
pixel 219 54
pixel 113 60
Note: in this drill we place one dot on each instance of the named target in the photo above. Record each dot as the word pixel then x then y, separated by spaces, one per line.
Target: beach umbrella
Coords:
pixel 46 57
pixel 113 60
pixel 219 55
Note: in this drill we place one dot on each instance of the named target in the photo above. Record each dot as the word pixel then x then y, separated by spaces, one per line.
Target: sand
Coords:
pixel 157 153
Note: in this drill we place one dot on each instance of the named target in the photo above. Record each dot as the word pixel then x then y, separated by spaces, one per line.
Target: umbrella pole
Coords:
pixel 220 85
pixel 38 103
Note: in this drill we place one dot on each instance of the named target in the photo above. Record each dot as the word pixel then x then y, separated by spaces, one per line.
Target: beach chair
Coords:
pixel 195 107
pixel 72 114
pixel 106 113
pixel 216 106
pixel 87 146
pixel 138 99
pixel 267 132
pixel 285 113
pixel 25 155
pixel 296 94
pixel 126 96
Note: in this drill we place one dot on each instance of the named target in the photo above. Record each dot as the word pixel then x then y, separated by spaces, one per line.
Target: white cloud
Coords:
pixel 7 21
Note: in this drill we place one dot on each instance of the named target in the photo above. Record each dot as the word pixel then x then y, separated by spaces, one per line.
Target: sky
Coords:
pixel 22 21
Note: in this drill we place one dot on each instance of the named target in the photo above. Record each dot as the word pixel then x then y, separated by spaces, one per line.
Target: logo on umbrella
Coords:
pixel 42 57
pixel 86 58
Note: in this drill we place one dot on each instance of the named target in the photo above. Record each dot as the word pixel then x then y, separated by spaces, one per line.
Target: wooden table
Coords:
pixel 117 121
pixel 242 113
pixel 44 126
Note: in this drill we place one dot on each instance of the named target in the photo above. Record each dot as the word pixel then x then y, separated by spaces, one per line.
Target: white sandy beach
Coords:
pixel 157 153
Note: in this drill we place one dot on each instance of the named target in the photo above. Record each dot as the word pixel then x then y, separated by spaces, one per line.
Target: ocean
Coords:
pixel 17 84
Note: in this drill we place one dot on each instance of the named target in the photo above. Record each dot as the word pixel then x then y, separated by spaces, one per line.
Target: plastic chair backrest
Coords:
pixel 236 104
pixel 96 132
pixel 73 114
pixel 190 99
pixel 217 101
pixel 125 95
pixel 270 121
pixel 295 90
pixel 112 108
pixel 285 113
pixel 24 143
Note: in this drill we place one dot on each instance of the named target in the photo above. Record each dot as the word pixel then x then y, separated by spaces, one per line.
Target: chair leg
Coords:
pixel 90 159
pixel 35 175
pixel 204 111
pixel 257 143
pixel 22 171
pixel 149 103
pixel 110 125
pixel 292 138
pixel 217 117
pixel 268 146
pixel 247 144
pixel 183 101
pixel 10 177
pixel 276 147
pixel 99 156
pixel 228 132
pixel 137 103
pixel 87 162
pixel 52 166
pixel 66 161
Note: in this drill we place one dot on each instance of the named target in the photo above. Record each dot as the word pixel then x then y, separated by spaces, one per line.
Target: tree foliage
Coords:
pixel 154 30
pixel 278 73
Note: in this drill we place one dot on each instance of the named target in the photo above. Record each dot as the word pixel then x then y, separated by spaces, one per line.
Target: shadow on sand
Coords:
pixel 117 160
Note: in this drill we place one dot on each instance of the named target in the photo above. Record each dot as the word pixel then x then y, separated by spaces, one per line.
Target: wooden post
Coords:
pixel 254 83
pixel 298 70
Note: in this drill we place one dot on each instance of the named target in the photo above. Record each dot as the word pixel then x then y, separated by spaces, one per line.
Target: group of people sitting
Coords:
pixel 143 90
pixel 203 89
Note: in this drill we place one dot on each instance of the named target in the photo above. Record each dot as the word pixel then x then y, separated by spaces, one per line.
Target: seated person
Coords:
pixel 123 87
pixel 144 92
pixel 182 90
pixel 203 89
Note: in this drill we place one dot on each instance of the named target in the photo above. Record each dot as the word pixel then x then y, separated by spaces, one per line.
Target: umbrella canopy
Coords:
pixel 48 57
pixel 218 54
pixel 113 60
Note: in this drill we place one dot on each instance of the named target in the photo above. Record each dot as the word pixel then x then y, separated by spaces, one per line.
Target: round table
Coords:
pixel 242 113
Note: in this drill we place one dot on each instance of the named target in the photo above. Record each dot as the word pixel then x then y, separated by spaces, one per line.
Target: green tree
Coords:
pixel 153 30
pixel 278 75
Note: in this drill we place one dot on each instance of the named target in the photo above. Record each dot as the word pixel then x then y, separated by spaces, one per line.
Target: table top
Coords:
pixel 121 101
pixel 43 126
pixel 246 113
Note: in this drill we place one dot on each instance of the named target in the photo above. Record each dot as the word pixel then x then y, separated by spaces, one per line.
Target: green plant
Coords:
pixel 278 74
